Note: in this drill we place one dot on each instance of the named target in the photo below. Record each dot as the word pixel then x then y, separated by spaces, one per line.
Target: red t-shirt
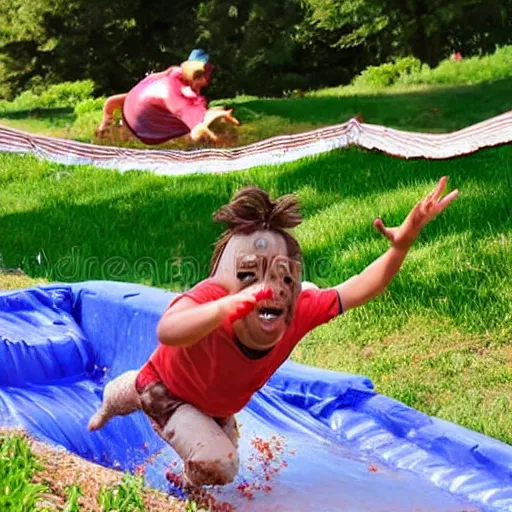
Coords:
pixel 214 375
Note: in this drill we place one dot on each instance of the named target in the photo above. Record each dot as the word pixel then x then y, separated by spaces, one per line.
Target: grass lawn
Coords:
pixel 415 108
pixel 437 340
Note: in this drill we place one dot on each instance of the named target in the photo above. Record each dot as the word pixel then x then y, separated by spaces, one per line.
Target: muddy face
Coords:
pixel 261 259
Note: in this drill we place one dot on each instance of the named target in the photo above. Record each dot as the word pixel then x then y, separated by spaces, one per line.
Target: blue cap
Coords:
pixel 199 55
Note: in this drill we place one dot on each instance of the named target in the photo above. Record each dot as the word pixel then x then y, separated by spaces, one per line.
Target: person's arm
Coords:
pixel 202 130
pixel 186 322
pixel 375 278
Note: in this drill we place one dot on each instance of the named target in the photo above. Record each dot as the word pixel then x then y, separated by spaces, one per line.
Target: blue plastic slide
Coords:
pixel 312 440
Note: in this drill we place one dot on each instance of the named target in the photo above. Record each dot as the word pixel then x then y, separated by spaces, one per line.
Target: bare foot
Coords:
pixel 98 420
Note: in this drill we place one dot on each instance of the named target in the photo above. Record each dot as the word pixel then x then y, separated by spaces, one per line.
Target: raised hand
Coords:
pixel 403 236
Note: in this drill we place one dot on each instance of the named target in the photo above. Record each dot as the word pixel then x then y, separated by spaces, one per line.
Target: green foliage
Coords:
pixel 25 44
pixel 126 496
pixel 409 71
pixel 89 105
pixel 192 506
pixel 18 493
pixel 426 29
pixel 470 70
pixel 259 47
pixel 66 94
pixel 73 494
pixel 254 49
pixel 17 467
pixel 387 74
pixel 113 43
pixel 354 21
pixel 27 100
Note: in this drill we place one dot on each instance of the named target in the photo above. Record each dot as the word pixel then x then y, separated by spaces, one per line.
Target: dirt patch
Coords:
pixel 62 469
pixel 13 280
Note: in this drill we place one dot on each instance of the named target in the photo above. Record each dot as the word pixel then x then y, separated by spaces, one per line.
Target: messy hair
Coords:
pixel 251 210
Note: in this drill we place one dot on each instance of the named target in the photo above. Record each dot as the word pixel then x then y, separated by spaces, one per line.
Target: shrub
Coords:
pixel 27 100
pixel 410 71
pixel 470 70
pixel 388 73
pixel 65 94
pixel 89 105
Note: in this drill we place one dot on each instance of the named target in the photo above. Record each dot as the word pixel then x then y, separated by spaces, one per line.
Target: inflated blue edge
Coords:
pixel 334 405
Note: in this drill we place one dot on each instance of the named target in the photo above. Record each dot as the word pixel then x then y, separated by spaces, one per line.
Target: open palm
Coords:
pixel 403 236
pixel 203 130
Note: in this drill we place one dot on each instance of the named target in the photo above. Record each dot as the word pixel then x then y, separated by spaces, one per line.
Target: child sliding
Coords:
pixel 221 341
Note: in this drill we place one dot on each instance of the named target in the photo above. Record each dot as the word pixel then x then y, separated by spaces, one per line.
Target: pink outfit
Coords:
pixel 162 107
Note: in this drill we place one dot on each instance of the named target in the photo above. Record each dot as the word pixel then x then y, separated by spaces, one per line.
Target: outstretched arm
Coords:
pixel 375 278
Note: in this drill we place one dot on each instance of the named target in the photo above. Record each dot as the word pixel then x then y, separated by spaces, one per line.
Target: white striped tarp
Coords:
pixel 273 151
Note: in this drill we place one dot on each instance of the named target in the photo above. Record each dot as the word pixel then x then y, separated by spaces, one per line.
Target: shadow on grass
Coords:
pixel 440 109
pixel 40 113
pixel 146 222
pixel 358 173
pixel 434 110
pixel 166 240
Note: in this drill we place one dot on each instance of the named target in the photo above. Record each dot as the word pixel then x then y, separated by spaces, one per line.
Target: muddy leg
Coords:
pixel 209 456
pixel 119 398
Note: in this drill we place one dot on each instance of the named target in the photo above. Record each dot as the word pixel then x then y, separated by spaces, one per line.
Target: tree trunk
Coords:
pixel 427 47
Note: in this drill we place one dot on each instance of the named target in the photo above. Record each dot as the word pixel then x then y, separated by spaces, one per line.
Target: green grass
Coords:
pixel 17 468
pixel 24 487
pixel 418 108
pixel 125 496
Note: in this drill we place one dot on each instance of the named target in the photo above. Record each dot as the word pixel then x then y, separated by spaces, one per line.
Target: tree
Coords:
pixel 114 43
pixel 423 28
pixel 23 43
pixel 258 46
pixel 251 42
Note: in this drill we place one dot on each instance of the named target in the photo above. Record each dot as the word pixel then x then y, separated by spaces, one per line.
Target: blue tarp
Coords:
pixel 333 442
